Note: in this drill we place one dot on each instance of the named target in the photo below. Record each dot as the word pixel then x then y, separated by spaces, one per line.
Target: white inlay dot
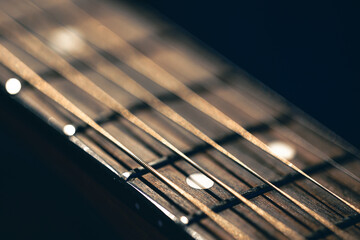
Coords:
pixel 66 40
pixel 184 220
pixel 69 129
pixel 282 149
pixel 13 86
pixel 199 181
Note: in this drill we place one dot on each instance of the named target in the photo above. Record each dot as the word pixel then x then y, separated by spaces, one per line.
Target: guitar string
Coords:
pixel 318 130
pixel 290 134
pixel 303 208
pixel 54 4
pixel 312 213
pixel 327 134
pixel 346 146
pixel 113 73
pixel 110 71
pixel 22 70
pixel 135 59
pixel 314 126
pixel 301 141
pixel 351 149
pixel 36 48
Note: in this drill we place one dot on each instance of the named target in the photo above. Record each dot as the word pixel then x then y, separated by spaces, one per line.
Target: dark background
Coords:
pixel 306 51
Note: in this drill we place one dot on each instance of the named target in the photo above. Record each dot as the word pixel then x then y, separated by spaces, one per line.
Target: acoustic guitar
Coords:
pixel 168 139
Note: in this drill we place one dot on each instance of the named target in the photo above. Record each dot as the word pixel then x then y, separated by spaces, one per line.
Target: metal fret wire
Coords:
pixel 155 166
pixel 181 209
pixel 249 193
pixel 195 99
pixel 299 140
pixel 215 208
pixel 110 71
pixel 107 69
pixel 262 189
pixel 234 210
pixel 35 47
pixel 293 136
pixel 343 145
pixel 162 140
pixel 13 63
pixel 190 218
pixel 93 29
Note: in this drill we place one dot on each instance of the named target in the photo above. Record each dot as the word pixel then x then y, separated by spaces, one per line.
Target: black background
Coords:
pixel 306 51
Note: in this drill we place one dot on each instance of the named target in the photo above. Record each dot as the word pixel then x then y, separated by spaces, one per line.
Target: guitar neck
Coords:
pixel 148 78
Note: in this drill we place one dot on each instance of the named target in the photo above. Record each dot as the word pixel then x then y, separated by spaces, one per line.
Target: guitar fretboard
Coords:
pixel 63 27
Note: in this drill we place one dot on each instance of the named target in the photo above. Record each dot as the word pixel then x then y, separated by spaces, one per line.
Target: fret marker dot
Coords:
pixel 13 86
pixel 184 220
pixel 66 41
pixel 69 129
pixel 199 181
pixel 282 149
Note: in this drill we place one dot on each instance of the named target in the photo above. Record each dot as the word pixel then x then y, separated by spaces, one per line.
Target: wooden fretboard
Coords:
pixel 74 32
